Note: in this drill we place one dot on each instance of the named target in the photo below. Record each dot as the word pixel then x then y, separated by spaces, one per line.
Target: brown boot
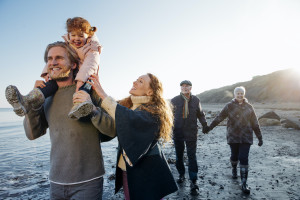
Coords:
pixel 81 110
pixel 23 104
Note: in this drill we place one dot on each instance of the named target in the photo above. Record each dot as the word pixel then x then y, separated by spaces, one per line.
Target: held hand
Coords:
pixel 260 142
pixel 78 85
pixel 97 86
pixel 81 96
pixel 39 83
pixel 205 129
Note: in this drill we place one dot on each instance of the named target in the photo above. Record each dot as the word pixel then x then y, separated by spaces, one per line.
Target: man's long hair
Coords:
pixel 72 55
pixel 157 106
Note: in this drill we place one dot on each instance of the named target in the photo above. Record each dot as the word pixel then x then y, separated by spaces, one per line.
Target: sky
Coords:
pixel 212 43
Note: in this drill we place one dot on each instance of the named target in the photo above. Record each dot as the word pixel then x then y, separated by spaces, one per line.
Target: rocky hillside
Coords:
pixel 279 86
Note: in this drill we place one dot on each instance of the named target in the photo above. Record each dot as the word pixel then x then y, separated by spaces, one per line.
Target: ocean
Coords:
pixel 24 164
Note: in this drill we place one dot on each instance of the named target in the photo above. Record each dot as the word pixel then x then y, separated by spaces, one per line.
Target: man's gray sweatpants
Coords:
pixel 89 190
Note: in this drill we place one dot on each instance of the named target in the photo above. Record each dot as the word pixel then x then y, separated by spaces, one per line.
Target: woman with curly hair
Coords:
pixel 141 120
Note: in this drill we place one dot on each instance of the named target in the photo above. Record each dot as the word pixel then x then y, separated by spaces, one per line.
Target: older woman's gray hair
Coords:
pixel 239 89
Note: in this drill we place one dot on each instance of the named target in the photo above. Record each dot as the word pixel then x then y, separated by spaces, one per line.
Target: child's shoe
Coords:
pixel 81 110
pixel 22 104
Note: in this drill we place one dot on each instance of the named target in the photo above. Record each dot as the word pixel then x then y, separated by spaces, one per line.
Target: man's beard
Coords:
pixel 63 75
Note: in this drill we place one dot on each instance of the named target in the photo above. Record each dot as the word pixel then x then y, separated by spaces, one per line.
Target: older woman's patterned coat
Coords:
pixel 242 121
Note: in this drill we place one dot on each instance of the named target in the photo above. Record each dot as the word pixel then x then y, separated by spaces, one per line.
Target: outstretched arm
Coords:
pixel 223 115
pixel 202 119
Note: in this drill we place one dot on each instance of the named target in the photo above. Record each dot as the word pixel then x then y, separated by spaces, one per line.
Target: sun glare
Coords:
pixel 297 71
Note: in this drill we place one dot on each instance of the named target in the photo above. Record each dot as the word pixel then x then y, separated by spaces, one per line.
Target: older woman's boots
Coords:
pixel 234 169
pixel 23 104
pixel 244 176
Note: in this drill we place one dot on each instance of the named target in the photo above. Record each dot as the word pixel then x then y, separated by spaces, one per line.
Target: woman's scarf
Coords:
pixel 185 112
pixel 139 100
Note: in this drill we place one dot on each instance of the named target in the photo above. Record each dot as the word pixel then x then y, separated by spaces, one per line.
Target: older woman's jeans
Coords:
pixel 88 190
pixel 240 152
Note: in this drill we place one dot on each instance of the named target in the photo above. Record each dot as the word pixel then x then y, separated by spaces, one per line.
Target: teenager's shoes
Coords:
pixel 81 110
pixel 23 104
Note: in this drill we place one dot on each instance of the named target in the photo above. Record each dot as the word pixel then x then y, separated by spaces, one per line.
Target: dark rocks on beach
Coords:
pixel 273 119
pixel 269 119
pixel 291 123
pixel 112 177
pixel 270 115
pixel 269 122
pixel 171 161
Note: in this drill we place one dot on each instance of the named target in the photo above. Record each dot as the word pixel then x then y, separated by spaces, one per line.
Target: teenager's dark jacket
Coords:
pixel 242 121
pixel 149 177
pixel 186 129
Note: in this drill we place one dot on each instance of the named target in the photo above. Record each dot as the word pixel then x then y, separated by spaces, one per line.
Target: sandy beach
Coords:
pixel 274 168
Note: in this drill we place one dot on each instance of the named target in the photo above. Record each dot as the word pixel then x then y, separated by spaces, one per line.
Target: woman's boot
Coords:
pixel 23 104
pixel 234 169
pixel 244 176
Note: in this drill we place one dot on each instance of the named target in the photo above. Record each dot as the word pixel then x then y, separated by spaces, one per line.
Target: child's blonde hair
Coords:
pixel 80 24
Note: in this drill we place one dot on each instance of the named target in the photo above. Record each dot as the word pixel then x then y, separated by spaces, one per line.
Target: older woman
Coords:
pixel 242 121
pixel 141 121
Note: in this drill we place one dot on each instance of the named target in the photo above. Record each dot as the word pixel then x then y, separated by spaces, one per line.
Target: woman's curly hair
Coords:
pixel 157 106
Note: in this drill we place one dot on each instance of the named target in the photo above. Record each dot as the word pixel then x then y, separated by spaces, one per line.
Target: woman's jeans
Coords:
pixel 240 152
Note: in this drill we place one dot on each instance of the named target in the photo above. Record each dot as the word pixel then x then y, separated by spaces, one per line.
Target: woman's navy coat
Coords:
pixel 150 176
